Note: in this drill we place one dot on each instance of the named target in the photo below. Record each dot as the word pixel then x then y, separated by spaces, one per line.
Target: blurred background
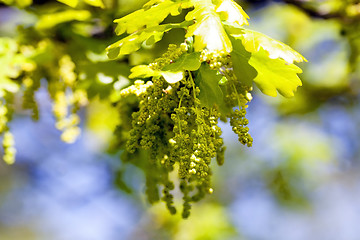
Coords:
pixel 300 180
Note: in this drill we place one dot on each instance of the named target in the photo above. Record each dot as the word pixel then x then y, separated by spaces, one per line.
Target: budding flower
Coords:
pixel 184 47
pixel 192 171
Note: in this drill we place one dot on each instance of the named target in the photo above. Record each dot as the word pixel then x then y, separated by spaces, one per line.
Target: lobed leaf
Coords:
pixel 95 3
pixel 240 59
pixel 150 17
pixel 253 41
pixel 275 75
pixel 71 3
pixel 144 71
pixel 208 29
pixel 208 82
pixel 187 61
pixel 133 42
pixel 50 20
pixel 232 12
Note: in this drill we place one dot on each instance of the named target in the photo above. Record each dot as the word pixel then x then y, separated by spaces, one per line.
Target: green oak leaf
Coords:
pixel 208 29
pixel 70 3
pixel 50 20
pixel 208 82
pixel 150 17
pixel 95 3
pixel 74 3
pixel 244 72
pixel 275 75
pixel 254 41
pixel 187 61
pixel 143 71
pixel 232 12
pixel 133 42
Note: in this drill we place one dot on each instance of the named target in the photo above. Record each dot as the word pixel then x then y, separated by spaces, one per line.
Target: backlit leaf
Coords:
pixel 143 71
pixel 187 61
pixel 149 17
pixel 71 3
pixel 133 42
pixel 275 75
pixel 253 41
pixel 50 20
pixel 232 12
pixel 95 3
pixel 208 29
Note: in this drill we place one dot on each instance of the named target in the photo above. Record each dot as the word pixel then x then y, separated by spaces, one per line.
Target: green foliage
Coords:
pixel 208 82
pixel 168 117
pixel 283 76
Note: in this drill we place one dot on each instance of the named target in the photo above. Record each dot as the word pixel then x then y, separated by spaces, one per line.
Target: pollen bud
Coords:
pixel 192 171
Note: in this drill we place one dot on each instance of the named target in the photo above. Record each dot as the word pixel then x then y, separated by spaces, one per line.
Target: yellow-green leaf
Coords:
pixel 95 3
pixel 208 29
pixel 275 75
pixel 232 12
pixel 71 3
pixel 50 20
pixel 148 18
pixel 143 71
pixel 187 61
pixel 133 42
pixel 253 41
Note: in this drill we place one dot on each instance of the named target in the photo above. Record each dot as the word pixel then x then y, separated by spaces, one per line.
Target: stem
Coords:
pixel 237 94
pixel 179 119
pixel 195 103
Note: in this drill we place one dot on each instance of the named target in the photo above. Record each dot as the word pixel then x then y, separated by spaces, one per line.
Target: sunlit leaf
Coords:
pixel 208 29
pixel 133 42
pixel 275 75
pixel 143 71
pixel 71 3
pixel 95 3
pixel 188 61
pixel 50 20
pixel 150 17
pixel 253 41
pixel 172 77
pixel 232 12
